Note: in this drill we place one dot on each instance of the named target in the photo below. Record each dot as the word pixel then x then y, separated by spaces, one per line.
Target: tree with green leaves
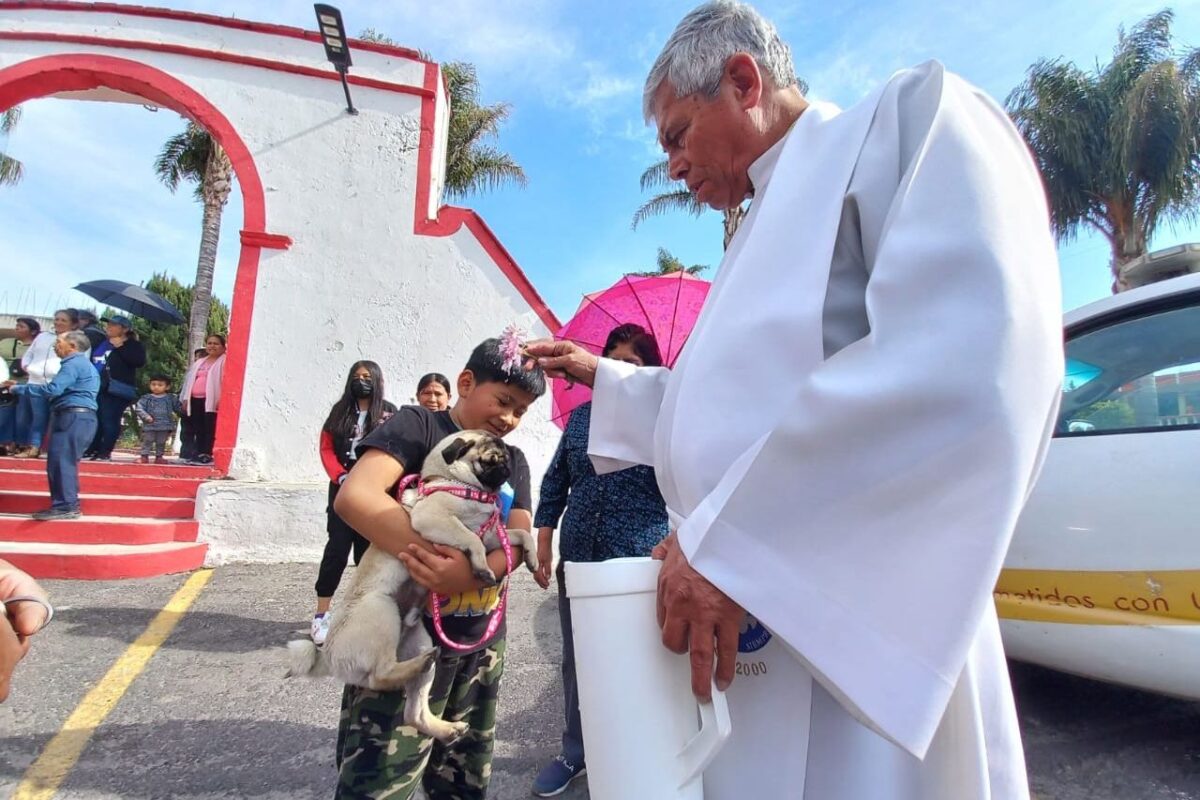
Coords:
pixel 1118 146
pixel 194 156
pixel 667 264
pixel 11 169
pixel 169 347
pixel 676 197
pixel 473 164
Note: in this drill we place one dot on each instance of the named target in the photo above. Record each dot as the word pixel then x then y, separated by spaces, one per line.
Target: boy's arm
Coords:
pixel 365 503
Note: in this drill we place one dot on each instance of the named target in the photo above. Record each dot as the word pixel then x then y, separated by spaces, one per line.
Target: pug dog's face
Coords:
pixel 476 458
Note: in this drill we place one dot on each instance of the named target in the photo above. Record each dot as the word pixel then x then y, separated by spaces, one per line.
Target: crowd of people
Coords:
pixel 30 359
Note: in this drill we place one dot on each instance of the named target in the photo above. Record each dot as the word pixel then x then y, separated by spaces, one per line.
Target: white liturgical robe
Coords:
pixel 856 422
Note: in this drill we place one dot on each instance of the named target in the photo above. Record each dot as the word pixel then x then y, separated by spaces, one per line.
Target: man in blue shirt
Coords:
pixel 72 396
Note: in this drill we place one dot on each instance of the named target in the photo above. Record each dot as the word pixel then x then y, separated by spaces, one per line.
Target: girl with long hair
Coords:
pixel 359 410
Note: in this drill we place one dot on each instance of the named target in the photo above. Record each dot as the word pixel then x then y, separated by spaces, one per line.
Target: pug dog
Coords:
pixel 376 638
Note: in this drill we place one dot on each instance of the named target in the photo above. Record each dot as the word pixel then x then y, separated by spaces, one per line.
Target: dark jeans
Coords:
pixel 109 417
pixel 197 430
pixel 572 738
pixel 342 539
pixel 70 434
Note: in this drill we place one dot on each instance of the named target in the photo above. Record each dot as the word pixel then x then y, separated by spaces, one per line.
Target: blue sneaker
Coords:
pixel 556 776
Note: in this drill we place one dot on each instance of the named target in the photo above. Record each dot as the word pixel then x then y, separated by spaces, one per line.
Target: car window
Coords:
pixel 1140 374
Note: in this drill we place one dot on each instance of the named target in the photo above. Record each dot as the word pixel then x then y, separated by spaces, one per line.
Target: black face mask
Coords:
pixel 361 387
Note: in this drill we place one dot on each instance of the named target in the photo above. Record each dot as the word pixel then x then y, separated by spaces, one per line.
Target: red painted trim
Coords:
pixel 206 19
pixel 267 241
pixel 450 218
pixel 38 77
pixel 212 55
pixel 136 563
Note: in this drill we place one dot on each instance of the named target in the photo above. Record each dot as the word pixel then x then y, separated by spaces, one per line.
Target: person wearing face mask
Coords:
pixel 359 411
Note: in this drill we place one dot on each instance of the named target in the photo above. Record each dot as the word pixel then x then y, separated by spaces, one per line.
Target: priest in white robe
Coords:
pixel 894 292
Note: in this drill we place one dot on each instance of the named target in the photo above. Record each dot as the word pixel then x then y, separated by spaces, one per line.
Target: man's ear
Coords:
pixel 456 450
pixel 746 79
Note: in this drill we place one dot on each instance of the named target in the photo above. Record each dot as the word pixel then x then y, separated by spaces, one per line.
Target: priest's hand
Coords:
pixel 694 615
pixel 564 360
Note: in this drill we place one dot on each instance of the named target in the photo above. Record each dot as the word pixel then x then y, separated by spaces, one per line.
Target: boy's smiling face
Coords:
pixel 493 407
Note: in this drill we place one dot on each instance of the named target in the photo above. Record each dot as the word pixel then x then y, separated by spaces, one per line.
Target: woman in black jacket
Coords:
pixel 359 411
pixel 118 359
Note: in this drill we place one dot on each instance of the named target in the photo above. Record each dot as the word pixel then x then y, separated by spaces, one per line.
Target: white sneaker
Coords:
pixel 320 629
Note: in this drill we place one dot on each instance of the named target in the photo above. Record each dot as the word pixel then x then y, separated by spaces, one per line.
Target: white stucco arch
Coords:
pixel 347 252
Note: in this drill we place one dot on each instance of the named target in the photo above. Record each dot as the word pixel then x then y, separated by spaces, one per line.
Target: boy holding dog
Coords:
pixel 377 755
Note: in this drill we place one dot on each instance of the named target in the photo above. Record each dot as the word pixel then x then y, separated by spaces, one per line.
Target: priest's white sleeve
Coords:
pixel 868 528
pixel 625 405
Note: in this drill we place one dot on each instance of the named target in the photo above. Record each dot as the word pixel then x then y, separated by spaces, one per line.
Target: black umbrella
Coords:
pixel 137 300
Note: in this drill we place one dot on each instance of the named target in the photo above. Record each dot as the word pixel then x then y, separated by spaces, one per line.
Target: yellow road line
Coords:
pixel 44 776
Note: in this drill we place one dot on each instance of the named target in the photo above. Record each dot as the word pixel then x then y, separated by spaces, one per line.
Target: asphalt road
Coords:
pixel 212 717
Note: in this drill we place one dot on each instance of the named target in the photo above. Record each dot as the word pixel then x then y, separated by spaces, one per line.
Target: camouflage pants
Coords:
pixel 380 758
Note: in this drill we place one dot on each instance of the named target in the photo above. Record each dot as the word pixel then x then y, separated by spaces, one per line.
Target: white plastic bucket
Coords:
pixel 638 710
pixel 645 735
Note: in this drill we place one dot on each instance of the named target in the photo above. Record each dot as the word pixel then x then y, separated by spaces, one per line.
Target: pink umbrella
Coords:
pixel 665 305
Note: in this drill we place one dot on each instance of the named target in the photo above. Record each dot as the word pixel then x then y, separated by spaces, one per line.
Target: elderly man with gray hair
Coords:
pixel 72 396
pixel 895 277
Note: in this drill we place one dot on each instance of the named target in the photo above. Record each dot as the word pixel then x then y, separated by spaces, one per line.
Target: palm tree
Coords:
pixel 657 176
pixel 1118 146
pixel 667 264
pixel 193 155
pixel 472 164
pixel 11 170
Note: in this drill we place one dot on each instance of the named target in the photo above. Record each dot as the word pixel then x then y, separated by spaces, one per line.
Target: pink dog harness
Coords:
pixel 494 521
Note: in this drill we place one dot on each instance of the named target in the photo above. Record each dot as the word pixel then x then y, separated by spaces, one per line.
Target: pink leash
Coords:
pixel 494 521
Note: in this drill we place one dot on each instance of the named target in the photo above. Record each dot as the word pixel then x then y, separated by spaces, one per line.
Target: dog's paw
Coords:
pixel 454 731
pixel 486 577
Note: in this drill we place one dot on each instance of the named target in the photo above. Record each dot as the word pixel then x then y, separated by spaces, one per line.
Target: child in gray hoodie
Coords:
pixel 157 411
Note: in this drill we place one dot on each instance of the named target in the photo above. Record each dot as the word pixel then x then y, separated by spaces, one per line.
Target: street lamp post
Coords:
pixel 337 47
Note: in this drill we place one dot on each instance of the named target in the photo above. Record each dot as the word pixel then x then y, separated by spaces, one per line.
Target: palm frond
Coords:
pixel 483 168
pixel 11 170
pixel 184 157
pixel 9 120
pixel 679 200
pixel 657 176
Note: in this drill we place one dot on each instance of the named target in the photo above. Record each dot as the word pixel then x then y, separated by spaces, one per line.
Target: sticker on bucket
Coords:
pixel 752 635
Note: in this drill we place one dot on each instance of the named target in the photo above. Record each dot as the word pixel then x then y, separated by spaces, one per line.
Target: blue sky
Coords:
pixel 572 70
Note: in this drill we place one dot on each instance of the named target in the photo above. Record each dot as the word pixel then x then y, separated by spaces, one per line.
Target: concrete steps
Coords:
pixel 138 520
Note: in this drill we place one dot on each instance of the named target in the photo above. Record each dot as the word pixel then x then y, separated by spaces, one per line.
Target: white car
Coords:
pixel 1103 576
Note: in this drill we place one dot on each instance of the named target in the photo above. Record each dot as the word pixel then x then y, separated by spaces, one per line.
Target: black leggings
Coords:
pixel 197 430
pixel 342 539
